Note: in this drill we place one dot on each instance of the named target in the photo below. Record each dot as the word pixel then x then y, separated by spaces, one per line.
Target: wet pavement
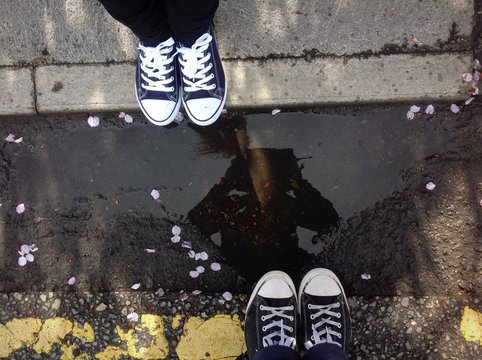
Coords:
pixel 341 188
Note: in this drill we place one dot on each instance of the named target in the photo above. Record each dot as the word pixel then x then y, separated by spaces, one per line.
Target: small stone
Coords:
pixel 43 297
pixel 124 311
pixel 17 296
pixel 405 302
pixel 101 307
pixel 56 304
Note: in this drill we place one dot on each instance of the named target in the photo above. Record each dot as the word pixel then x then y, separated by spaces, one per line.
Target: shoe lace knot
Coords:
pixel 195 66
pixel 156 64
pixel 278 332
pixel 324 330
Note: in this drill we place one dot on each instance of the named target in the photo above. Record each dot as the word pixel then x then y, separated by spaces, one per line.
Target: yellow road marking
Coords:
pixel 471 325
pixel 52 332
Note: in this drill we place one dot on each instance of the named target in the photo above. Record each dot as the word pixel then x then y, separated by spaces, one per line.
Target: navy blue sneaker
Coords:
pixel 158 82
pixel 203 84
pixel 324 312
pixel 270 324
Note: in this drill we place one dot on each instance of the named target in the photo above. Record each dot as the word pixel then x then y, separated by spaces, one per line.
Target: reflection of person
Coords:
pixel 271 318
pixel 177 58
pixel 257 207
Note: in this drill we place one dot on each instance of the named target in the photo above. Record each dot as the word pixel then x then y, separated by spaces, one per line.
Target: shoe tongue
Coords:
pixel 276 302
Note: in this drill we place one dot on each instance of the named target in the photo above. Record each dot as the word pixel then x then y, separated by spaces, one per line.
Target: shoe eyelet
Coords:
pixel 338 315
pixel 292 318
pixel 339 326
pixel 312 317
pixel 172 78
pixel 263 318
pixel 261 307
pixel 172 88
pixel 264 328
pixel 309 306
pixel 211 76
pixel 312 338
pixel 214 86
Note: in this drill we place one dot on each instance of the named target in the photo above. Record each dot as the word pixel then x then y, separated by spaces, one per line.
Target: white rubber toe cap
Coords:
pixel 160 112
pixel 204 111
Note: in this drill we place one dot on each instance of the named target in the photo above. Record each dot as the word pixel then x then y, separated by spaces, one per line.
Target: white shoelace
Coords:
pixel 156 66
pixel 194 67
pixel 326 333
pixel 278 325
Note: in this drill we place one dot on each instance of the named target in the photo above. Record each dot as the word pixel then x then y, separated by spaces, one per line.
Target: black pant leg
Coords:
pixel 189 19
pixel 146 18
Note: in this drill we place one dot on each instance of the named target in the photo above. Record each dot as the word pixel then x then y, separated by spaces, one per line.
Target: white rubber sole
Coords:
pixel 276 274
pixel 317 272
pixel 214 117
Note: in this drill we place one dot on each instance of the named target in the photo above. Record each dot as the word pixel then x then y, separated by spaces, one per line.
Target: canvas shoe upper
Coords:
pixel 203 83
pixel 157 82
pixel 324 311
pixel 271 314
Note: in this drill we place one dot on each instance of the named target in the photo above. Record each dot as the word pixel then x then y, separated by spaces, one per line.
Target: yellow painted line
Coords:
pixel 220 337
pixel 471 325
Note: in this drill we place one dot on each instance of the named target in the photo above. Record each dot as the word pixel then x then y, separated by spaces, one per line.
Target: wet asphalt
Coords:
pixel 341 188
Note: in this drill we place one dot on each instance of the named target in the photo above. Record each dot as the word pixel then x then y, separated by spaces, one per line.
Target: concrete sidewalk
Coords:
pixel 67 56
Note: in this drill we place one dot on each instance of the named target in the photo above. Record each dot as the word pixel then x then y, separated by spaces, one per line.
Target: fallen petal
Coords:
pixel 203 256
pixel 136 286
pixel 176 230
pixel 155 194
pixel 71 281
pixel 469 100
pixel 93 121
pixel 33 248
pixel 20 208
pixel 467 77
pixel 454 108
pixel 175 239
pixel 150 251
pixel 18 141
pixel 196 292
pixel 215 266
pixel 133 317
pixel 186 245
pixel 410 115
pixel 179 118
pixel 414 108
pixel 224 111
pixel 122 114
pixel 200 269
pixel 227 296
pixel 128 119
pixel 429 110
pixel 22 261
pixel 160 292
pixel 191 254
pixel 29 257
pixel 275 111
pixel 430 186
pixel 197 256
pixel 25 249
pixel 10 138
pixel 366 276
pixel 476 64
pixel 193 274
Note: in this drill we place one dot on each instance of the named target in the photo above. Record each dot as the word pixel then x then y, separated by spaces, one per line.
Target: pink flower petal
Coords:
pixel 10 138
pixel 227 296
pixel 176 230
pixel 196 292
pixel 160 292
pixel 454 108
pixel 200 269
pixel 179 118
pixel 175 239
pixel 136 286
pixel 469 100
pixel 128 119
pixel 429 110
pixel 366 276
pixel 24 249
pixel 414 108
pixel 133 317
pixel 191 254
pixel 29 257
pixel 22 261
pixel 197 256
pixel 467 77
pixel 20 208
pixel 122 114
pixel 224 111
pixel 33 248
pixel 215 266
pixel 155 194
pixel 430 186
pixel 476 65
pixel 71 281
pixel 275 111
pixel 150 251
pixel 410 115
pixel 193 274
pixel 18 141
pixel 186 245
pixel 203 256
pixel 93 121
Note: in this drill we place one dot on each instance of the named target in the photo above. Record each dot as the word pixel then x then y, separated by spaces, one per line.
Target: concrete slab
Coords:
pixel 80 31
pixel 17 95
pixel 286 82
